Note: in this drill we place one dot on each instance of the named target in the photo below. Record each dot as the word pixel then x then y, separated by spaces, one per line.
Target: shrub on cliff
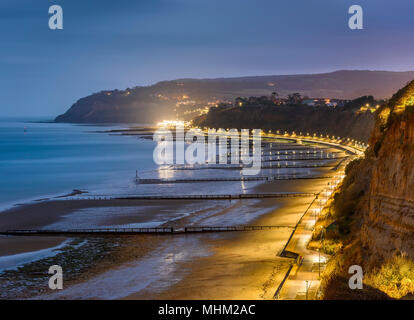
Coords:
pixel 395 277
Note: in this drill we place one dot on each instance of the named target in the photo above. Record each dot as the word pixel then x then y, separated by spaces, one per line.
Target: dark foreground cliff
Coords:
pixel 373 213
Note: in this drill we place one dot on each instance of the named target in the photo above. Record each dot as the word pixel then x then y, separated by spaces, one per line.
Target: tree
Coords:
pixel 294 98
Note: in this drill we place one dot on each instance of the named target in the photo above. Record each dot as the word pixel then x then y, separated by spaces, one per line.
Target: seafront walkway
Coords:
pixel 302 281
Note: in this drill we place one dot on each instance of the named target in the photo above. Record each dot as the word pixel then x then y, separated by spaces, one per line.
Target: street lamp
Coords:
pixel 322 242
pixel 307 285
pixel 316 209
pixel 319 252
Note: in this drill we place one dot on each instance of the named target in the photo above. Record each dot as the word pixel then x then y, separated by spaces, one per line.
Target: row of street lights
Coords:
pixel 293 134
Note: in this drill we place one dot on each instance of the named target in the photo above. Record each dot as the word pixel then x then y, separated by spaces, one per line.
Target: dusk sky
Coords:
pixel 120 44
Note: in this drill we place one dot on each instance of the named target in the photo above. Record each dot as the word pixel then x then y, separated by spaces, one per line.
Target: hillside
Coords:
pixel 188 97
pixel 305 119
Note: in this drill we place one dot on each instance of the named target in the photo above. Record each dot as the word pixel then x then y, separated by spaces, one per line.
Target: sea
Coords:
pixel 41 159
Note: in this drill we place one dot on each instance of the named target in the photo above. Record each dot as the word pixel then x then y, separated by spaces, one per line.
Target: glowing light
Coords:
pixel 316 259
pixel 171 123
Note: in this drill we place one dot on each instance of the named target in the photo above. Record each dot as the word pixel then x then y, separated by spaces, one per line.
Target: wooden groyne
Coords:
pixel 239 167
pixel 260 178
pixel 303 159
pixel 285 157
pixel 219 196
pixel 304 151
pixel 191 197
pixel 133 231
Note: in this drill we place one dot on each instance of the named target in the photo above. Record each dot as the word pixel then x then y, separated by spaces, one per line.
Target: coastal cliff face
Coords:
pixel 388 227
pixel 377 201
pixel 137 105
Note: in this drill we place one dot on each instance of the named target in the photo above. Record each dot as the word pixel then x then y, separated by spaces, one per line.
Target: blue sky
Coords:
pixel 120 44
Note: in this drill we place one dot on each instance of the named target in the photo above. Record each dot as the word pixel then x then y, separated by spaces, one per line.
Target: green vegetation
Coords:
pixel 397 108
pixel 362 101
pixel 395 277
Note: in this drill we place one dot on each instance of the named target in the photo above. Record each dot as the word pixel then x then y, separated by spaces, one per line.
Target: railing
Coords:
pixel 279 288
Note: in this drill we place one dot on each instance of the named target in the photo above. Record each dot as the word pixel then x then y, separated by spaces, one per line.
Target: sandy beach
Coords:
pixel 16 245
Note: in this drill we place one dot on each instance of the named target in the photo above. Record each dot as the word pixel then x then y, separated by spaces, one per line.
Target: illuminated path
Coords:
pixel 302 279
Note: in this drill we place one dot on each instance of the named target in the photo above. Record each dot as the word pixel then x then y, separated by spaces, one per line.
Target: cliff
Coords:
pixel 135 105
pixel 388 227
pixel 186 97
pixel 375 208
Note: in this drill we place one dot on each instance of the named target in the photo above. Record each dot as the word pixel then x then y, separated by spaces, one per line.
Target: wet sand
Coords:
pixel 15 245
pixel 39 215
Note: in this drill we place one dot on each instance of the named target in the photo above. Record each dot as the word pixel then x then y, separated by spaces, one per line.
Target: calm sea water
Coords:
pixel 49 159
pixel 41 160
